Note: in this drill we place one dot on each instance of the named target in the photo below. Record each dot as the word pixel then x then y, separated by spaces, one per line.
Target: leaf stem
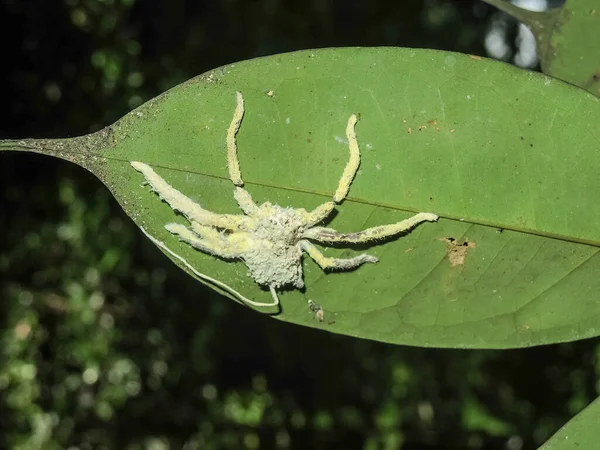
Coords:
pixel 82 150
pixel 15 145
pixel 45 146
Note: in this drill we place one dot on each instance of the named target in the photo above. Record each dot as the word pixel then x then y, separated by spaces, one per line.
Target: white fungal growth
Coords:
pixel 271 239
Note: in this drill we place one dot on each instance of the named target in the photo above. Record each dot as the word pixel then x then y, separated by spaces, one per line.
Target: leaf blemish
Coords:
pixel 457 251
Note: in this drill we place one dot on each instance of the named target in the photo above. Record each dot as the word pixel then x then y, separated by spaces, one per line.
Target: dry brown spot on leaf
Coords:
pixel 457 251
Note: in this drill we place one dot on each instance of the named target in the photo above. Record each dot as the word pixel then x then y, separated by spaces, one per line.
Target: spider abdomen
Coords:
pixel 275 265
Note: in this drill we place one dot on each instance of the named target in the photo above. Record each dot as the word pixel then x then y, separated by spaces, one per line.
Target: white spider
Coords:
pixel 269 238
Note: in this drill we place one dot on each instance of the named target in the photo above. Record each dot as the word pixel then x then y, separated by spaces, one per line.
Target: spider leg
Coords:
pixel 205 232
pixel 210 241
pixel 244 199
pixel 318 214
pixel 232 159
pixel 241 195
pixel 205 277
pixel 352 165
pixel 186 206
pixel 237 242
pixel 331 236
pixel 335 263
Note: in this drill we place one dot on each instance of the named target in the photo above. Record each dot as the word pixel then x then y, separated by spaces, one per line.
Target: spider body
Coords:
pixel 273 256
pixel 271 239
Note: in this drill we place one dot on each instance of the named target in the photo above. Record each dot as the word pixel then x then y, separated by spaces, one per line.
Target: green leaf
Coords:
pixel 580 433
pixel 508 158
pixel 565 39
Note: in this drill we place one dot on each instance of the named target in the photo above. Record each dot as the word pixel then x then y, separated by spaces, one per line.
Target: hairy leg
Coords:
pixel 335 263
pixel 331 236
pixel 244 199
pixel 318 214
pixel 232 159
pixel 353 163
pixel 203 231
pixel 241 195
pixel 211 241
pixel 206 242
pixel 186 206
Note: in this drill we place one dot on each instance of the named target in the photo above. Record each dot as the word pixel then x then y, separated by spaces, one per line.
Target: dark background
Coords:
pixel 105 344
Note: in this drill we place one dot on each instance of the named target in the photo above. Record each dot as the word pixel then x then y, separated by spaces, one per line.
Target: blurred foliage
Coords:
pixel 106 344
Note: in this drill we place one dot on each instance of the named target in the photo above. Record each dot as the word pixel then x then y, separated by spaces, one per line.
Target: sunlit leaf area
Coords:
pixel 107 344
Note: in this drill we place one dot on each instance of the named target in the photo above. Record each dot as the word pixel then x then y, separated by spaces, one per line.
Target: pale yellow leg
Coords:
pixel 335 263
pixel 244 200
pixel 233 243
pixel 209 243
pixel 353 163
pixel 186 206
pixel 331 236
pixel 203 231
pixel 205 277
pixel 318 214
pixel 232 159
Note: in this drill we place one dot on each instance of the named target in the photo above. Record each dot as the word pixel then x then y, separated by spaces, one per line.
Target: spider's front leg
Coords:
pixel 232 159
pixel 244 200
pixel 320 213
pixel 331 236
pixel 353 163
pixel 241 195
pixel 335 263
pixel 185 205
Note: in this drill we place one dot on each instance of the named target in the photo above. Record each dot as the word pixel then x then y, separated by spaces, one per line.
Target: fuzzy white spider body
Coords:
pixel 274 258
pixel 271 239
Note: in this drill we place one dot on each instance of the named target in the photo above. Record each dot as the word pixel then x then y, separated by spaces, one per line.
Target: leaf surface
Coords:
pixel 581 432
pixel 508 158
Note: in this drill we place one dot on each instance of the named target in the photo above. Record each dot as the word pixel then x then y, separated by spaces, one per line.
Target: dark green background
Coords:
pixel 104 343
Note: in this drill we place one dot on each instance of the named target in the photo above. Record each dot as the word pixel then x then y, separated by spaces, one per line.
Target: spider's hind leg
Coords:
pixel 370 235
pixel 205 239
pixel 335 263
